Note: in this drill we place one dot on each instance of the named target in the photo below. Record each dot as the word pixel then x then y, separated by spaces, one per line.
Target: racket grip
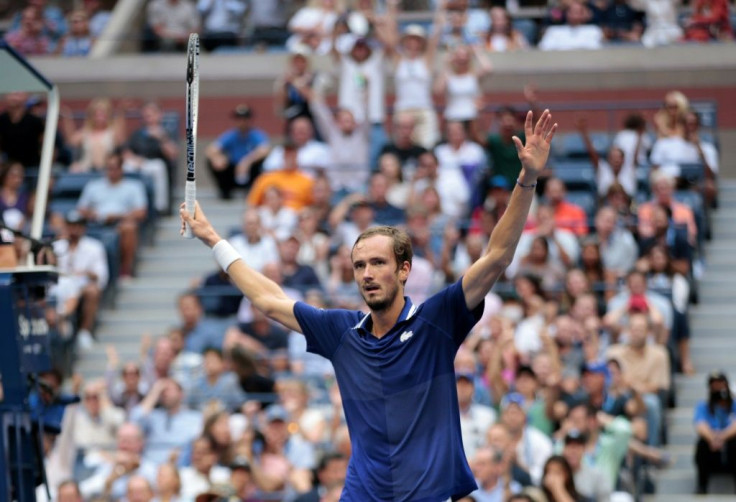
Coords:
pixel 190 195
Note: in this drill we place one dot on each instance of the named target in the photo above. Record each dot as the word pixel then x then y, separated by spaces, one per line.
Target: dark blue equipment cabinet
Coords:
pixel 24 353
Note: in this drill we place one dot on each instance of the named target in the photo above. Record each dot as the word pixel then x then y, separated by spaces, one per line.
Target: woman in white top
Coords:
pixel 414 63
pixel 662 26
pixel 460 84
pixel 313 24
pixel 102 132
pixel 502 36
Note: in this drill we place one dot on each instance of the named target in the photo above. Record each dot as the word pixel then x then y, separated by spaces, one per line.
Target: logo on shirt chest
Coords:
pixel 405 336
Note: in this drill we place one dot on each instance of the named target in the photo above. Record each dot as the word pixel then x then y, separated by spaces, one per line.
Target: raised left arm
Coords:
pixel 481 276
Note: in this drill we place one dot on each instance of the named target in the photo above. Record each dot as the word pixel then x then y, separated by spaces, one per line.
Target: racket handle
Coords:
pixel 190 195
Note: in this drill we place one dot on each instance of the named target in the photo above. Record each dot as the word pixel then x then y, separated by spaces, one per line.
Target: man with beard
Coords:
pixel 394 365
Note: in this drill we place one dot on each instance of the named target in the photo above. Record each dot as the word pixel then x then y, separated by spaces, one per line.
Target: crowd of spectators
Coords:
pixel 562 385
pixel 320 25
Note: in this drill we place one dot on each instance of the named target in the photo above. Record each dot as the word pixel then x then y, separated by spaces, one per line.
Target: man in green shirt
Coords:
pixel 500 146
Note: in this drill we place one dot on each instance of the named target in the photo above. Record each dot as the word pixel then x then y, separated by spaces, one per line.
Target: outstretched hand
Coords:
pixel 201 227
pixel 534 154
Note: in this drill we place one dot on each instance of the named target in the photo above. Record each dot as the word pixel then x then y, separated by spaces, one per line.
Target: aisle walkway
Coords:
pixel 713 346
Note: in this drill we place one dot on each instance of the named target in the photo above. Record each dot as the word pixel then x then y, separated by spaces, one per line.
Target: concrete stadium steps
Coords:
pixel 713 346
pixel 147 303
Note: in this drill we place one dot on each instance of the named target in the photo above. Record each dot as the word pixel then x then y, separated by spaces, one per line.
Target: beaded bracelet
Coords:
pixel 533 185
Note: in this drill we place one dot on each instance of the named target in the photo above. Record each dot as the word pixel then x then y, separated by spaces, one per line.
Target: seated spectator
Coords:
pixel 707 154
pixel 592 265
pixel 129 390
pixel 222 22
pixel 102 133
pixel 171 22
pixel 94 423
pixel 615 168
pixel 151 151
pixel 139 489
pixel 290 179
pixel 662 276
pixel 68 491
pixel 199 333
pixel 617 246
pixel 461 155
pixel 278 220
pixel 397 192
pixel 15 201
pixel 537 263
pixel 646 368
pixel 217 384
pixel 348 141
pixel 312 156
pixel 617 199
pixel 342 292
pixel 378 191
pixel 307 364
pixel 79 40
pixel 217 305
pixel 454 26
pixel 492 469
pixel 475 418
pixel 20 131
pixel 159 363
pixel 710 21
pixel 716 447
pixel 637 298
pixel 112 472
pixel 97 17
pixel 255 246
pixel 168 483
pixel 220 426
pixel 568 216
pixel 268 19
pixel 314 244
pixel 259 335
pixel 564 249
pixel 499 439
pixel 119 203
pixel 53 23
pixel 83 262
pixel 669 152
pixel 606 441
pixel 450 185
pixel 662 27
pixel 28 38
pixel 165 420
pixel 531 446
pixel 352 216
pixel 670 236
pixel 331 469
pixel 501 36
pixel 403 145
pixel 558 482
pixel 312 25
pixel 621 22
pixel 575 34
pixel 236 157
pixel 669 120
pixel 296 275
pixel 203 471
pixel 663 188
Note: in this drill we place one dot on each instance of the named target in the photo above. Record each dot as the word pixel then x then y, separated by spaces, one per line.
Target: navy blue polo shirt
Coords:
pixel 399 396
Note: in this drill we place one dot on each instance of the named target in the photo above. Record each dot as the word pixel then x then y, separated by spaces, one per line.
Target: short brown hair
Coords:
pixel 401 242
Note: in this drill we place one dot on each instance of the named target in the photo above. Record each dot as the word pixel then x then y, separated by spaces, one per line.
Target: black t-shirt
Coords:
pixel 21 141
pixel 144 145
pixel 405 155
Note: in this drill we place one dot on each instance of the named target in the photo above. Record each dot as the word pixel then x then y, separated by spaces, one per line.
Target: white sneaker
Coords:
pixel 85 342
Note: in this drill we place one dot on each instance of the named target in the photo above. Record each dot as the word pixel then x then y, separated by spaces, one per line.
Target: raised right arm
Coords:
pixel 263 293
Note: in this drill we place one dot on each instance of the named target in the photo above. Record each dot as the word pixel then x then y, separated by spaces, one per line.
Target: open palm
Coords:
pixel 533 155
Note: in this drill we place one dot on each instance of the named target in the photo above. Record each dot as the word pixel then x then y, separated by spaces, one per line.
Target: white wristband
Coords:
pixel 225 254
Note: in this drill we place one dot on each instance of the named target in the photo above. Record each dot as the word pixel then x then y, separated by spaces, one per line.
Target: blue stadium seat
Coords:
pixel 61 206
pixel 526 27
pixel 584 199
pixel 577 175
pixel 572 145
pixel 642 180
pixel 70 185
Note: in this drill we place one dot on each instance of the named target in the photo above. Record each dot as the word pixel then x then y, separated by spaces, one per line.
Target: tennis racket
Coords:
pixel 192 111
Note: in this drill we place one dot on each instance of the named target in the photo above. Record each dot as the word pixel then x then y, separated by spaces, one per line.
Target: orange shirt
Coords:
pixel 572 217
pixel 681 214
pixel 295 187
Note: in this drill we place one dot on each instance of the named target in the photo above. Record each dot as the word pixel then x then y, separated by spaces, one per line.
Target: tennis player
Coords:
pixel 394 365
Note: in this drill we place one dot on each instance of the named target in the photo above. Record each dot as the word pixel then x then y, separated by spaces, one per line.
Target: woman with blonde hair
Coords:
pixel 670 119
pixel 102 132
